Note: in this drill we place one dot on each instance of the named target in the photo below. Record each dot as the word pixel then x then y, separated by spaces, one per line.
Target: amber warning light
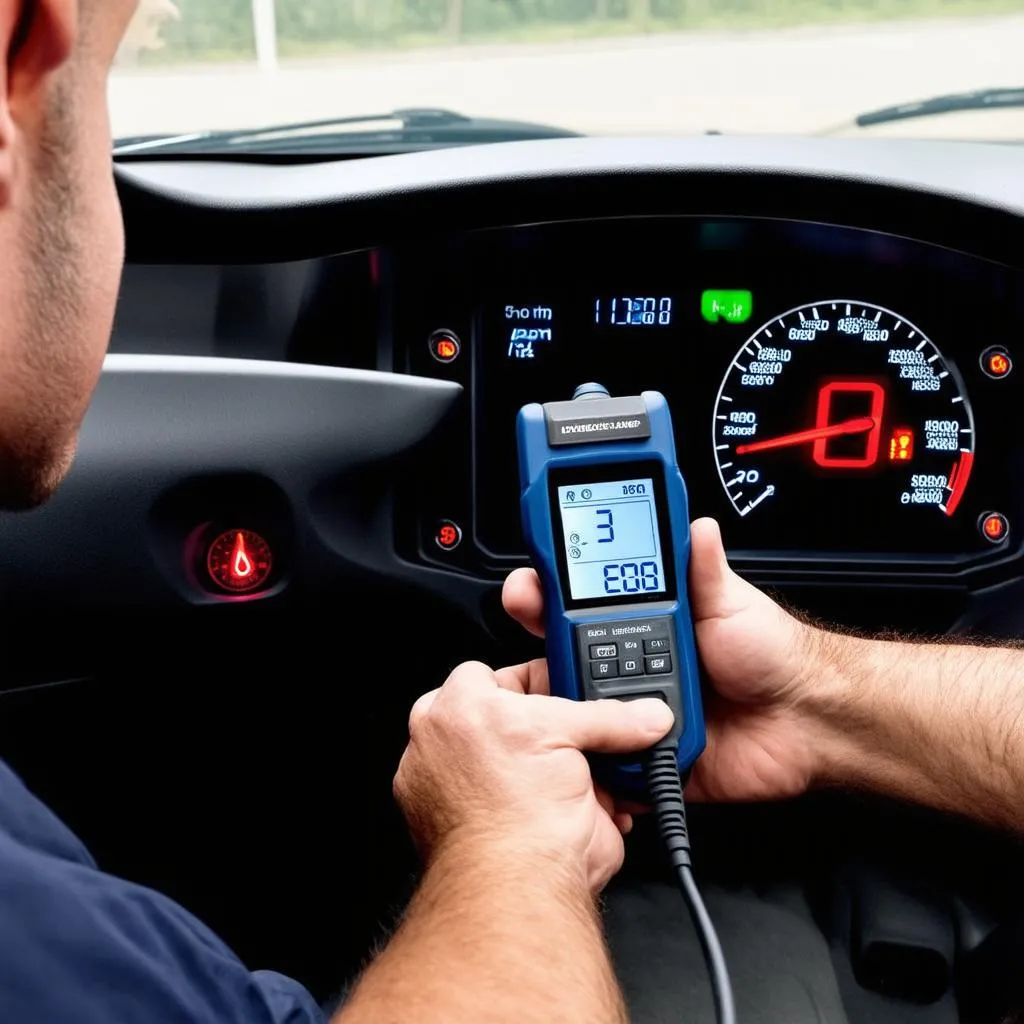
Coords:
pixel 901 445
pixel 444 346
pixel 996 362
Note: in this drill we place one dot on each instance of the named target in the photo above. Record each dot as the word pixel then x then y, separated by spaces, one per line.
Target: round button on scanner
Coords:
pixel 445 346
pixel 448 535
pixel 996 362
pixel 994 527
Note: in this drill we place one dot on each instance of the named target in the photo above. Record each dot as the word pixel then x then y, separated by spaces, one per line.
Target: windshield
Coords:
pixel 584 66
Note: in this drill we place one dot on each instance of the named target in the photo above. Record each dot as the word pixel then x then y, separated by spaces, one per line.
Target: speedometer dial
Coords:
pixel 845 410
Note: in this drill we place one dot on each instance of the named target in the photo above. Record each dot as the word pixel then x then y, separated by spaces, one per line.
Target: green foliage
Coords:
pixel 223 29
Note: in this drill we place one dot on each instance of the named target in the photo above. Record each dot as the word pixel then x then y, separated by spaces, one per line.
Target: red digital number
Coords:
pixel 872 437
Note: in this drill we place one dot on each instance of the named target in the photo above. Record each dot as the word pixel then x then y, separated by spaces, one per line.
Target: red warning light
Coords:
pixel 448 536
pixel 994 527
pixel 901 445
pixel 239 561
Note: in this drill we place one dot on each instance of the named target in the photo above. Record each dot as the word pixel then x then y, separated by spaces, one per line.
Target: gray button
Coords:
pixel 630 646
pixel 656 646
pixel 659 665
pixel 604 669
pixel 604 651
pixel 632 666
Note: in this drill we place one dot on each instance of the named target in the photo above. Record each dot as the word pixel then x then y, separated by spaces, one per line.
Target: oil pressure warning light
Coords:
pixel 239 561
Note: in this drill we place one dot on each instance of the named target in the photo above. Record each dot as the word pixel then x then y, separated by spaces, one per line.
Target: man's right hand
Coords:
pixel 759 661
pixel 496 766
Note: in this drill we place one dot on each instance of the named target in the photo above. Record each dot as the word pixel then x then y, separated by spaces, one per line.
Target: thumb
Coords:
pixel 608 726
pixel 715 590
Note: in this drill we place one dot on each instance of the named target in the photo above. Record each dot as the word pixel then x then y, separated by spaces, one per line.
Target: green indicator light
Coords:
pixel 735 307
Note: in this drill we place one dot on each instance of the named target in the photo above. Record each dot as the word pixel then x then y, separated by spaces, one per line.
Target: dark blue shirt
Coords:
pixel 80 947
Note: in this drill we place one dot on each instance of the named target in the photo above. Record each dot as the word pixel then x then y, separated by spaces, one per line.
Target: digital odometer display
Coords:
pixel 612 541
pixel 839 410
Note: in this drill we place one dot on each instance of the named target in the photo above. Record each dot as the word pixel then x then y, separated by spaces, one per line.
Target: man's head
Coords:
pixel 61 241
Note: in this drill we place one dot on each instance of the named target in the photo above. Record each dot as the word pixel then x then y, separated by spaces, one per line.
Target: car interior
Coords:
pixel 297 496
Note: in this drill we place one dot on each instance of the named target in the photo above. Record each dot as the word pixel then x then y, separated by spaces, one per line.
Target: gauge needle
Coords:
pixel 860 425
pixel 241 564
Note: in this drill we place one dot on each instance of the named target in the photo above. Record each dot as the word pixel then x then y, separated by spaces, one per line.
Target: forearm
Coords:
pixel 939 724
pixel 502 935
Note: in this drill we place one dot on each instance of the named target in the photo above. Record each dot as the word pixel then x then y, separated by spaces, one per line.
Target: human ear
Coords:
pixel 37 37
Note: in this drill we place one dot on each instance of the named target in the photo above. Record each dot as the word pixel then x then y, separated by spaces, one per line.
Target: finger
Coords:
pixel 623 819
pixel 606 800
pixel 531 678
pixel 471 675
pixel 607 726
pixel 421 708
pixel 708 570
pixel 716 592
pixel 524 600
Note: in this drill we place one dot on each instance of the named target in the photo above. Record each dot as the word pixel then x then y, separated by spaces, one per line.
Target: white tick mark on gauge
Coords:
pixel 721 447
pixel 921 346
pixel 931 359
pixel 965 451
pixel 800 313
pixel 847 309
pixel 748 351
pixel 899 324
pixel 814 310
pixel 726 398
pixel 945 373
pixel 742 369
pixel 726 465
pixel 878 316
pixel 966 430
pixel 780 323
pixel 737 479
pixel 758 344
pixel 720 417
pixel 957 398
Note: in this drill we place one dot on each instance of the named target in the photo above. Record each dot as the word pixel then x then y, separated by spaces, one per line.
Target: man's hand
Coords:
pixel 494 763
pixel 758 660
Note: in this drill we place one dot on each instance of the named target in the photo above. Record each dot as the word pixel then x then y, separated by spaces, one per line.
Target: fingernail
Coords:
pixel 653 714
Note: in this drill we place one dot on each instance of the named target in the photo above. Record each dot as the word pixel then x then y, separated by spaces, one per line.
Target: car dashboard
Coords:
pixel 296 493
pixel 329 359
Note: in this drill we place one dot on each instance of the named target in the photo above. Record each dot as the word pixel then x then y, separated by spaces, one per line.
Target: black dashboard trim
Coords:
pixel 160 423
pixel 328 442
pixel 968 197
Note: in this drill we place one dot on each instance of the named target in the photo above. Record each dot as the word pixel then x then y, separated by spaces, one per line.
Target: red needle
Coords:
pixel 861 425
pixel 241 565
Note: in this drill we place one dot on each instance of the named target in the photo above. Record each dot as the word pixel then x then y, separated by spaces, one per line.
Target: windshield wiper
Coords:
pixel 980 99
pixel 427 128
